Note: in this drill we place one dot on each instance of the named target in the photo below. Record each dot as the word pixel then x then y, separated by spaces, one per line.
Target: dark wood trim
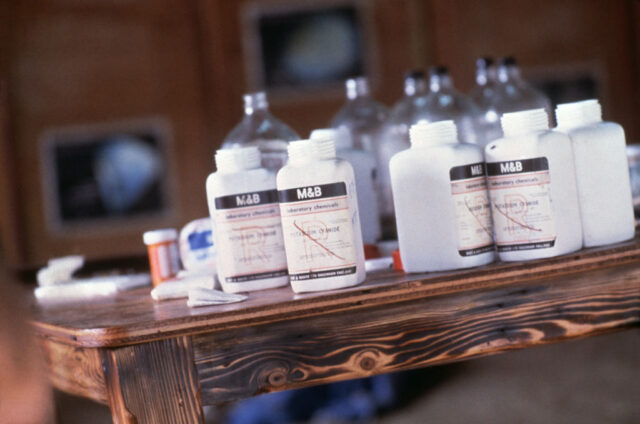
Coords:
pixel 75 370
pixel 154 383
pixel 417 333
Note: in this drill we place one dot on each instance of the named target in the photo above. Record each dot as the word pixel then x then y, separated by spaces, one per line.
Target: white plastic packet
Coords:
pixel 59 270
pixel 378 264
pixel 206 297
pixel 89 288
pixel 179 288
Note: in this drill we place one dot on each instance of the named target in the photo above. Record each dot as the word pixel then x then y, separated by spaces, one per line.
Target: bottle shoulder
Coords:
pixel 603 131
pixel 540 143
pixel 361 113
pixel 440 155
pixel 254 128
pixel 356 155
pixel 445 105
pixel 241 182
pixel 314 173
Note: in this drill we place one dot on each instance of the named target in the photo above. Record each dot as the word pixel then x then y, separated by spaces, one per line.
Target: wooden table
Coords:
pixel 160 362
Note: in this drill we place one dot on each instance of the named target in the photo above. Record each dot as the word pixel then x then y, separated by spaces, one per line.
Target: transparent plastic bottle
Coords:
pixel 514 93
pixel 486 96
pixel 364 168
pixel 395 138
pixel 444 102
pixel 361 115
pixel 260 128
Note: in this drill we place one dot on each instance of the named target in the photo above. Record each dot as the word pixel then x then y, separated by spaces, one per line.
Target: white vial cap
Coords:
pixel 341 136
pixel 324 148
pixel 159 236
pixel 426 133
pixel 300 151
pixel 237 159
pixel 578 114
pixel 524 122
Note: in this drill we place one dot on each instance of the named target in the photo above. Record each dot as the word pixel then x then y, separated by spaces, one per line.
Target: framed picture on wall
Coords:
pixel 569 82
pixel 306 44
pixel 95 176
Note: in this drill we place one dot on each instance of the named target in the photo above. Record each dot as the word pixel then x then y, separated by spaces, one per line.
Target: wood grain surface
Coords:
pixel 362 342
pixel 75 370
pixel 133 317
pixel 153 383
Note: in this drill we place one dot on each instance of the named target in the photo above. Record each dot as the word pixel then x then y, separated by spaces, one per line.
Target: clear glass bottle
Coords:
pixel 260 128
pixel 485 94
pixel 395 138
pixel 361 115
pixel 514 93
pixel 486 82
pixel 444 102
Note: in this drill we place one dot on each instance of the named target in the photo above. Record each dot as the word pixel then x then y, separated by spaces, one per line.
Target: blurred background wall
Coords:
pixel 163 79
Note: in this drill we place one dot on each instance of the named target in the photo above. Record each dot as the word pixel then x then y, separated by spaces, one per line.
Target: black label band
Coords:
pixel 526 246
pixel 465 172
pixel 322 274
pixel 303 194
pixel 252 277
pixel 245 200
pixel 476 250
pixel 517 166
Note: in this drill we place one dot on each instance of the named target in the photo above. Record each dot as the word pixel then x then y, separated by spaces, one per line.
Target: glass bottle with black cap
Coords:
pixel 444 102
pixel 486 94
pixel 260 128
pixel 395 139
pixel 514 93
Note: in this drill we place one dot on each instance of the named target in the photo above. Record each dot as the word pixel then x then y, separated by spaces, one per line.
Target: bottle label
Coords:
pixel 249 236
pixel 522 211
pixel 317 225
pixel 472 209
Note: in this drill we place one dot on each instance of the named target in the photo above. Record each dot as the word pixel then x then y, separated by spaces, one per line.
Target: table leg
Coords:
pixel 153 382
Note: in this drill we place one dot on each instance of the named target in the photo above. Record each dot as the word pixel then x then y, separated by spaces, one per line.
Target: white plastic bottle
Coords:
pixel 440 196
pixel 320 221
pixel 532 187
pixel 364 167
pixel 243 203
pixel 602 173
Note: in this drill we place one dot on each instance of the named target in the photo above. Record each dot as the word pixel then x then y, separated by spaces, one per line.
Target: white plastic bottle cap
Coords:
pixel 578 114
pixel 524 122
pixel 159 236
pixel 324 148
pixel 341 136
pixel 426 133
pixel 300 151
pixel 237 159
